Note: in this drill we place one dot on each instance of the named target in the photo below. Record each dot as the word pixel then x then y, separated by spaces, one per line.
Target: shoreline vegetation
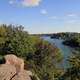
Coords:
pixel 39 56
pixel 70 39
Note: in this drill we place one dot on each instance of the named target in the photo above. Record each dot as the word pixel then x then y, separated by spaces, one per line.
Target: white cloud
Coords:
pixel 72 16
pixel 53 17
pixel 26 3
pixel 43 11
pixel 11 1
pixel 31 3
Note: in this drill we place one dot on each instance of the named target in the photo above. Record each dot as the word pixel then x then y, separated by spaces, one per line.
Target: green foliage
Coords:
pixel 73 42
pixel 13 39
pixel 73 72
pixel 40 56
pixel 44 60
pixel 65 35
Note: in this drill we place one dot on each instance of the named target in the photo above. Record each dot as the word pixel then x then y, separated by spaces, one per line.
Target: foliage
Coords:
pixel 65 35
pixel 44 60
pixel 73 42
pixel 40 56
pixel 73 72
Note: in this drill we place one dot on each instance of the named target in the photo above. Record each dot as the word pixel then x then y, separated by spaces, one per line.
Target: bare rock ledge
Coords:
pixel 9 71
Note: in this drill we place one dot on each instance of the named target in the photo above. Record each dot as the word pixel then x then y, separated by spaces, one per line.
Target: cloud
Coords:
pixel 53 17
pixel 44 12
pixel 31 3
pixel 71 15
pixel 11 1
pixel 26 3
pixel 71 18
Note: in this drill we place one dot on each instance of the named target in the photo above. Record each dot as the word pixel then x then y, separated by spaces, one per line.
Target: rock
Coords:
pixel 8 71
pixel 15 61
pixel 22 76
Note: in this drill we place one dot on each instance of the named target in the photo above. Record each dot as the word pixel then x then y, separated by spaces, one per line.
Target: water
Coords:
pixel 65 50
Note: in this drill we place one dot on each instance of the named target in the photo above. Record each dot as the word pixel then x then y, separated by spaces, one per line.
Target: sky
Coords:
pixel 42 16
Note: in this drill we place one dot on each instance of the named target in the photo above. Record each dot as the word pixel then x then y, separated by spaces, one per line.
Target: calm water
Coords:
pixel 65 50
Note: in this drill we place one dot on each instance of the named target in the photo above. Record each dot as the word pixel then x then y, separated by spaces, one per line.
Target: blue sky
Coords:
pixel 42 16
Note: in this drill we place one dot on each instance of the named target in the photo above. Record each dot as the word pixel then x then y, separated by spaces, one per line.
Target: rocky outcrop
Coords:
pixel 8 71
pixel 18 63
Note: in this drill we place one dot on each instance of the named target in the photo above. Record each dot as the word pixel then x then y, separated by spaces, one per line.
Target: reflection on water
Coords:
pixel 65 50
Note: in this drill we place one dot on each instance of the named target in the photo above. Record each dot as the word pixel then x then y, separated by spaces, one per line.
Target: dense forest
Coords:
pixel 40 57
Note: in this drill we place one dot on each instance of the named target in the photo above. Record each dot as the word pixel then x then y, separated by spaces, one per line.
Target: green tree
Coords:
pixel 40 56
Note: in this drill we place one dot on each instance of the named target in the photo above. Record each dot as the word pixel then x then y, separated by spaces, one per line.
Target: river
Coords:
pixel 65 50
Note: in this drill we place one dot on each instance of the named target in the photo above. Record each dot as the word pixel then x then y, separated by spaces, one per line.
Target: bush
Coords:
pixel 40 56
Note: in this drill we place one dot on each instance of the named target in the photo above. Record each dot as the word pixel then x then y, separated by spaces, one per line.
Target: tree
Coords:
pixel 41 57
pixel 73 72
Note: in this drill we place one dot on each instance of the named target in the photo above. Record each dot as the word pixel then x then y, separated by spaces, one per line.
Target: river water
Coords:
pixel 65 50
